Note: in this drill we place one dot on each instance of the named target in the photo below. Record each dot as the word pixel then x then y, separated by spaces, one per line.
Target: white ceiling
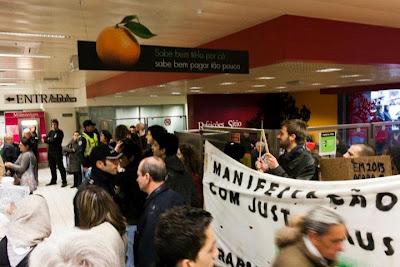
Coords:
pixel 176 24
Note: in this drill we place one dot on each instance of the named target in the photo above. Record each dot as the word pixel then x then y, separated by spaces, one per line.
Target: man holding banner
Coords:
pixel 315 241
pixel 296 162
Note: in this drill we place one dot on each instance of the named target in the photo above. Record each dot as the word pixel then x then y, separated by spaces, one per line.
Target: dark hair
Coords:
pixel 26 142
pixel 169 142
pixel 155 167
pixel 298 128
pixel 93 206
pixel 156 131
pixel 180 234
pixel 54 121
pixel 121 132
pixel 190 158
pixel 107 135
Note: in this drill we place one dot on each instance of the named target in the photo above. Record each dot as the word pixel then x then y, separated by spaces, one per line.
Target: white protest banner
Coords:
pixel 249 207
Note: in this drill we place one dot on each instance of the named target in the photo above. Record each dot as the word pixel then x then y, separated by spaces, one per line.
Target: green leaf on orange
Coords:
pixel 129 18
pixel 139 30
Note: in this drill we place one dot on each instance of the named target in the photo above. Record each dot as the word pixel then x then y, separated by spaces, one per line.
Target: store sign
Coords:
pixel 171 59
pixel 327 143
pixel 230 123
pixel 38 98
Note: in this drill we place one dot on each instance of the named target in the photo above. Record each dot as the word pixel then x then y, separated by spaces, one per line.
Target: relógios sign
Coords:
pixel 38 98
pixel 171 59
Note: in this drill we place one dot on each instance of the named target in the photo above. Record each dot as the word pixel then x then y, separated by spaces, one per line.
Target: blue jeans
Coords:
pixel 130 229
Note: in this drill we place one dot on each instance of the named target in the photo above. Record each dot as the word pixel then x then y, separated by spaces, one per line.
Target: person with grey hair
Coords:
pixel 313 240
pixel 151 175
pixel 98 246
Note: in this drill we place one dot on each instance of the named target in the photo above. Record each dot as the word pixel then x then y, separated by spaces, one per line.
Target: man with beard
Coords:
pixel 296 162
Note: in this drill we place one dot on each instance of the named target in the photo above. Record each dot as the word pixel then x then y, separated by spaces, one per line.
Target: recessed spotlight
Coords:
pixel 195 91
pixel 333 86
pixel 195 87
pixel 328 70
pixel 227 83
pixel 132 91
pixel 364 80
pixel 316 84
pixel 175 93
pixel 265 78
pixel 350 75
pixel 280 87
pixel 162 85
pixel 258 85
pixel 153 95
pixel 199 11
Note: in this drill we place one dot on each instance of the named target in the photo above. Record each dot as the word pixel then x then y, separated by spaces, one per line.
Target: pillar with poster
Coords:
pixel 34 122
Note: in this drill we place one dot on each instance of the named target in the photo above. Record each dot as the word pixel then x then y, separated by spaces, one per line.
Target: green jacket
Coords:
pixel 297 255
pixel 297 164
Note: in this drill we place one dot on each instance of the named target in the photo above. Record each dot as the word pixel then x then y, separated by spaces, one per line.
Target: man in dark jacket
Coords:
pixel 129 197
pixel 54 139
pixel 296 162
pixel 178 178
pixel 104 161
pixel 150 177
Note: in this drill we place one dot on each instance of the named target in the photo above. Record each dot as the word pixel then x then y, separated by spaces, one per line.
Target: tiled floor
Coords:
pixel 59 200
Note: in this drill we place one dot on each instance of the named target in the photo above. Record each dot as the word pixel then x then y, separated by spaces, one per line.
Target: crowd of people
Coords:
pixel 139 201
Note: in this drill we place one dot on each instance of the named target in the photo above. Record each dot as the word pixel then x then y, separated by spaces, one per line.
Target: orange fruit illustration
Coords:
pixel 116 46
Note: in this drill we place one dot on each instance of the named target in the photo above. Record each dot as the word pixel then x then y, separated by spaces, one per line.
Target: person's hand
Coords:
pixel 8 164
pixel 271 161
pixel 9 210
pixel 261 165
pixel 118 147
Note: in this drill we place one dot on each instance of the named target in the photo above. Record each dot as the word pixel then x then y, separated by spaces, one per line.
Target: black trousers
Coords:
pixel 56 161
pixel 77 178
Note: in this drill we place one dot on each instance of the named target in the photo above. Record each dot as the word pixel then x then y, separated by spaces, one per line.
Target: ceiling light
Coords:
pixel 132 91
pixel 40 35
pixel 265 78
pixel 364 80
pixel 153 95
pixel 199 11
pixel 280 87
pixel 227 83
pixel 24 56
pixel 195 87
pixel 195 91
pixel 5 84
pixel 333 86
pixel 350 75
pixel 315 84
pixel 250 91
pixel 328 70
pixel 175 93
pixel 258 85
pixel 162 85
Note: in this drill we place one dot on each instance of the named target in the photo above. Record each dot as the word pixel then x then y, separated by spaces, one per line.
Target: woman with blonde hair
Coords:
pixel 94 206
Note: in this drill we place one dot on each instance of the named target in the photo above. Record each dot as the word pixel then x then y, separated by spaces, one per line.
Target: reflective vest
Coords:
pixel 91 142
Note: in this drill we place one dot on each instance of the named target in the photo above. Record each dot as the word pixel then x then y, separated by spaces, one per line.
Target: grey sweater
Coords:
pixel 22 164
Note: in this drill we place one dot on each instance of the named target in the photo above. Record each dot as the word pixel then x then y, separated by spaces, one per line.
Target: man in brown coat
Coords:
pixel 314 241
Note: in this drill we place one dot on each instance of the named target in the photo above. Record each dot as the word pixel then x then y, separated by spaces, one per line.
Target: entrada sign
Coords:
pixel 38 98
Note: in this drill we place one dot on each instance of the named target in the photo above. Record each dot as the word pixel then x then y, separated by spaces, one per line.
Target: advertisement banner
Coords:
pixel 249 207
pixel 170 59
